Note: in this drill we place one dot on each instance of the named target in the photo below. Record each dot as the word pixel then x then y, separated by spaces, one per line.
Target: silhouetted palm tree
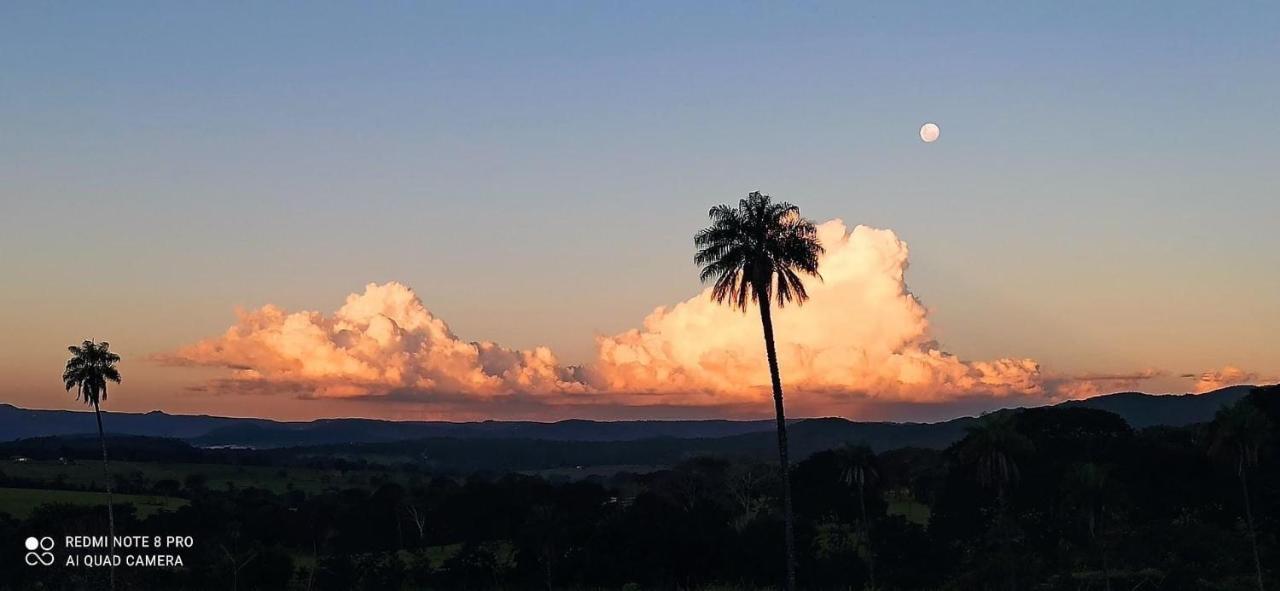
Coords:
pixel 1239 432
pixel 858 470
pixel 1086 485
pixel 91 366
pixel 755 253
pixel 992 447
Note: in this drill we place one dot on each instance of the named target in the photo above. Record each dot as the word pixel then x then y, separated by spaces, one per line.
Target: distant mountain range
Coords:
pixel 1146 410
pixel 1140 410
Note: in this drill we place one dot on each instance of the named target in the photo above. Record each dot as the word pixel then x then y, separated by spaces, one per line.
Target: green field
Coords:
pixel 144 475
pixel 581 472
pixel 20 502
pixel 910 509
pixel 86 474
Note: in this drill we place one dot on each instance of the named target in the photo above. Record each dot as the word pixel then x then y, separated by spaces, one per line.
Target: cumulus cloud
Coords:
pixel 1229 375
pixel 863 336
pixel 862 332
pixel 379 342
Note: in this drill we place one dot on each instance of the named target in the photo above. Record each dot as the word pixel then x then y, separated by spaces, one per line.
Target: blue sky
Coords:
pixel 1103 197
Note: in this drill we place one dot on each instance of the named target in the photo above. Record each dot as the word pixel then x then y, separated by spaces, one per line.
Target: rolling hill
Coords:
pixel 1140 410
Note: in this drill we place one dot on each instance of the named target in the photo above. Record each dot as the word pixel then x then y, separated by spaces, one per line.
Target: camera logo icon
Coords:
pixel 38 551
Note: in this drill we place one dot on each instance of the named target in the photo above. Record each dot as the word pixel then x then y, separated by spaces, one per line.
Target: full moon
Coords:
pixel 929 132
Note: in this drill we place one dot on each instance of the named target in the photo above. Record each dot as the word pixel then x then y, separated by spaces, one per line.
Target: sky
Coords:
pixel 514 186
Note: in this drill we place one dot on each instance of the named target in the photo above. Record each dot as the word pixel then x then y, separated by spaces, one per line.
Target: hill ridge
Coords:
pixel 1138 408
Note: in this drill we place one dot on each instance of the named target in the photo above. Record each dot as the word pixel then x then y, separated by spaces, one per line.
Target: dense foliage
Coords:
pixel 1054 498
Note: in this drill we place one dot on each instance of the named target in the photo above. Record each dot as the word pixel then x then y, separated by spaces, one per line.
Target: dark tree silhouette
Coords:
pixel 1239 432
pixel 756 253
pixel 858 471
pixel 91 366
pixel 1086 486
pixel 992 447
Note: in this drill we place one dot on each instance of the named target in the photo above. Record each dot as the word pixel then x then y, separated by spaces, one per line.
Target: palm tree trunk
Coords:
pixel 1253 537
pixel 1005 523
pixel 111 513
pixel 1095 524
pixel 784 464
pixel 866 535
pixel 315 562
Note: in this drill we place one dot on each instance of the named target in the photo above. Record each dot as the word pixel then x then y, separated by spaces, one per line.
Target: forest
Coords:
pixel 1044 498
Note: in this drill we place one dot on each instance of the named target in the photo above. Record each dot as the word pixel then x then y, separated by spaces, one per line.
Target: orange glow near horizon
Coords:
pixel 862 340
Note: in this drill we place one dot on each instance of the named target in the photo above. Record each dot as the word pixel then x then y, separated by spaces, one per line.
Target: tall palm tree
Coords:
pixel 1239 432
pixel 756 253
pixel 91 366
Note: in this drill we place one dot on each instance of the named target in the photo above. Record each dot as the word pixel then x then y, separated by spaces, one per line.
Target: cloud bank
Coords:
pixel 862 337
pixel 1089 385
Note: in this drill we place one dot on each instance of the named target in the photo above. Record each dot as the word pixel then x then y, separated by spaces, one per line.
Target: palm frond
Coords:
pixel 757 251
pixel 89 369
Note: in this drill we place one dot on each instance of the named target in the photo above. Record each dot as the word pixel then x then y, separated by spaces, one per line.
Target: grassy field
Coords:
pixel 86 474
pixel 911 509
pixel 217 476
pixel 20 502
pixel 582 472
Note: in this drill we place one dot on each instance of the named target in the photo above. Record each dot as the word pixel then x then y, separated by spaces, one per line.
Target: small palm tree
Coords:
pixel 1086 485
pixel 992 448
pixel 756 253
pixel 858 471
pixel 91 366
pixel 1239 433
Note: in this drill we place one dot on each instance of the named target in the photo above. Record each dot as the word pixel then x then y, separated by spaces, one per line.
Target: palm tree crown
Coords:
pixel 1239 433
pixel 993 447
pixel 858 466
pixel 757 251
pixel 91 366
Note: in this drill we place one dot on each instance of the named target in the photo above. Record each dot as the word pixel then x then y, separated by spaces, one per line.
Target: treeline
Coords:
pixel 1054 498
pixel 467 455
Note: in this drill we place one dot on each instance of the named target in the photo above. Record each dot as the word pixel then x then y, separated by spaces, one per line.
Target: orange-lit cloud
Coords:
pixel 1229 375
pixel 1090 385
pixel 381 341
pixel 863 336
pixel 862 332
